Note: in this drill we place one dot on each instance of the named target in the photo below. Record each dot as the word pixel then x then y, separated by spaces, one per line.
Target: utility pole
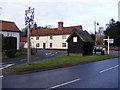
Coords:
pixel 95 31
pixel 29 20
pixel 95 23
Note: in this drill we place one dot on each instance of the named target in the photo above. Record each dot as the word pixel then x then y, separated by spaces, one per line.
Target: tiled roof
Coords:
pixel 54 31
pixel 23 39
pixel 9 26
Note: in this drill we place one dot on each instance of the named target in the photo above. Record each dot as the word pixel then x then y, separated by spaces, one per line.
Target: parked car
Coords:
pixel 117 48
pixel 99 48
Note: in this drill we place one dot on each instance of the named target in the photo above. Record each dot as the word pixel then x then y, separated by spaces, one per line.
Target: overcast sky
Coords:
pixel 71 12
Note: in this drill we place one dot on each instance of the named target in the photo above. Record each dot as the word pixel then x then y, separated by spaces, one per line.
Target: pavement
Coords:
pixel 101 74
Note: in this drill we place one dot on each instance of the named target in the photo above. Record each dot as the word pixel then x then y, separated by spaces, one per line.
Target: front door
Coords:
pixel 44 45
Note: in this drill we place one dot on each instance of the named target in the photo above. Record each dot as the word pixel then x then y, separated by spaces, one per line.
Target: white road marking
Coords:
pixel 6 66
pixel 63 84
pixel 108 69
pixel 1 76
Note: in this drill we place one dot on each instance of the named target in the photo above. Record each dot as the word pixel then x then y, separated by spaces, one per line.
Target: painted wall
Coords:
pixel 14 34
pixel 56 41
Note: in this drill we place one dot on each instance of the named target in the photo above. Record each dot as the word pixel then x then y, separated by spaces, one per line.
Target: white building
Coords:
pixel 10 29
pixel 52 38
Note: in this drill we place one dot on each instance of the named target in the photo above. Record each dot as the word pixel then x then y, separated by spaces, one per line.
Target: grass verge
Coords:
pixel 54 63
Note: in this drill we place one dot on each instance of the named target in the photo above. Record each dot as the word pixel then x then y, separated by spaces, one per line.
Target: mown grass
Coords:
pixel 53 63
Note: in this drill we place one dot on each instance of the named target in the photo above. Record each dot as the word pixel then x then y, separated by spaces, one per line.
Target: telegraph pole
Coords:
pixel 95 31
pixel 95 23
pixel 29 20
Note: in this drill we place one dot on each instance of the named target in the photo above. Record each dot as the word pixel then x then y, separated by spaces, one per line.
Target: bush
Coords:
pixel 33 51
pixel 11 53
pixel 22 52
pixel 1 42
pixel 9 43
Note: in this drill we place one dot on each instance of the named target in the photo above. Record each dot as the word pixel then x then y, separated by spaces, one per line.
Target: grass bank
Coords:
pixel 53 63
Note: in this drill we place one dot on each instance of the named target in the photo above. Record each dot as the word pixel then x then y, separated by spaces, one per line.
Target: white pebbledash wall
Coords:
pixel 56 41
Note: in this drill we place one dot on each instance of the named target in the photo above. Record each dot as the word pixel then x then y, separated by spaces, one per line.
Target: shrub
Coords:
pixel 22 52
pixel 1 42
pixel 9 46
pixel 9 43
pixel 33 51
pixel 11 53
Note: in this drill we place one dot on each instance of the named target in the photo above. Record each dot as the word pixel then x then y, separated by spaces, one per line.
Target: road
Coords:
pixel 101 74
pixel 43 55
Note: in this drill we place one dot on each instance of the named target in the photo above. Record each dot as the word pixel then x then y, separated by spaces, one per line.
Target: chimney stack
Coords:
pixel 60 25
pixel 35 26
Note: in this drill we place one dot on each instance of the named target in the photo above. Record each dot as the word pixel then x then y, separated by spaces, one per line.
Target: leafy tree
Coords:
pixel 113 31
pixel 92 36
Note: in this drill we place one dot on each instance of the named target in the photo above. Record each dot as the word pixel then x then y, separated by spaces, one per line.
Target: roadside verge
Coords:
pixel 58 62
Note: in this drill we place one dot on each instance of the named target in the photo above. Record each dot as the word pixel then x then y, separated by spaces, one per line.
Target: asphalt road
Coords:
pixel 43 55
pixel 101 74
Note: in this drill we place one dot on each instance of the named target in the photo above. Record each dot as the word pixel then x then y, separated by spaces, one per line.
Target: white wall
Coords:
pixel 56 41
pixel 14 34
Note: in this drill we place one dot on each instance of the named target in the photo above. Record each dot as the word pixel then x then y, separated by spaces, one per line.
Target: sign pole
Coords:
pixel 29 19
pixel 108 45
pixel 110 41
pixel 29 48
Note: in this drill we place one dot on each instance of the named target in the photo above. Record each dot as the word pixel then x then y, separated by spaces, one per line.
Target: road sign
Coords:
pixel 110 41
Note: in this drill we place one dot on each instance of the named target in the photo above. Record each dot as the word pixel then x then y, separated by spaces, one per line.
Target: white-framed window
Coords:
pixel 37 38
pixel 74 39
pixel 10 34
pixel 51 37
pixel 37 45
pixel 63 36
pixel 50 45
pixel 63 44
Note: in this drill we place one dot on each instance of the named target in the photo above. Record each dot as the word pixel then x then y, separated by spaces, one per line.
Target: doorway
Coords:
pixel 44 45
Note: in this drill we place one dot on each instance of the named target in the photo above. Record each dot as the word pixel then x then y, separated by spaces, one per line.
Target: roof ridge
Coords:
pixel 57 28
pixel 7 21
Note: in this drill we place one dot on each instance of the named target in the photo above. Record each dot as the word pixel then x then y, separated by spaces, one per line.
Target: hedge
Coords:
pixel 9 46
pixel 9 43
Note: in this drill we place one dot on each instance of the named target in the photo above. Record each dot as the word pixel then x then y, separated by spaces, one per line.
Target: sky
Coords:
pixel 71 12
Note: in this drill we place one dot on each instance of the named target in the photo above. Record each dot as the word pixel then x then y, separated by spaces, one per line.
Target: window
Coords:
pixel 63 36
pixel 51 37
pixel 10 34
pixel 74 39
pixel 37 38
pixel 50 45
pixel 63 44
pixel 37 45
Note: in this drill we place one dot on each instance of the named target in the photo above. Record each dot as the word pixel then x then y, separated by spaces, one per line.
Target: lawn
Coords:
pixel 54 63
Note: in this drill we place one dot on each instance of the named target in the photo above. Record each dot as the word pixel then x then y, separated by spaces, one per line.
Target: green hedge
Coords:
pixel 9 46
pixel 9 43
pixel 1 40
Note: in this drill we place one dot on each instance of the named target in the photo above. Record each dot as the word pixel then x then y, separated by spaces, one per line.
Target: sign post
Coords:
pixel 109 41
pixel 29 19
